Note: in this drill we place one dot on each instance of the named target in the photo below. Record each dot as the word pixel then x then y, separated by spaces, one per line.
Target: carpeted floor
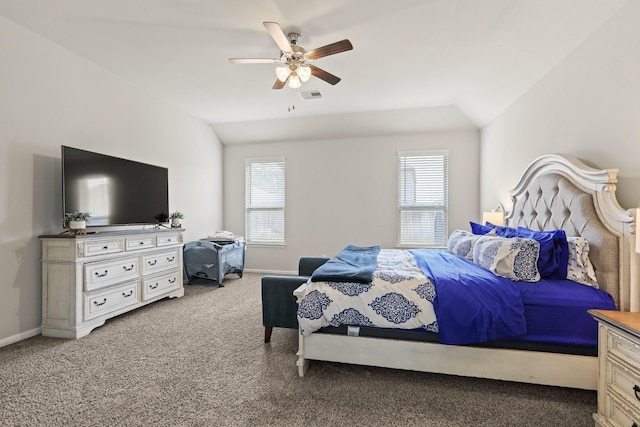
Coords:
pixel 200 361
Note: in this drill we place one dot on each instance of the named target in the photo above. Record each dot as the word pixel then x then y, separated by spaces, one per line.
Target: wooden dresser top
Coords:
pixel 625 320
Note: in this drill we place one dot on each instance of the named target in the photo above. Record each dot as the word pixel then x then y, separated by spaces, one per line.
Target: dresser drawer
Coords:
pixel 170 239
pixel 623 348
pixel 139 242
pixel 159 284
pixel 102 247
pixel 160 261
pixel 102 302
pixel 100 274
pixel 619 413
pixel 624 381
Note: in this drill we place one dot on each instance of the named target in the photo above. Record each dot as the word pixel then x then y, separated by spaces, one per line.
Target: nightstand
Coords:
pixel 619 361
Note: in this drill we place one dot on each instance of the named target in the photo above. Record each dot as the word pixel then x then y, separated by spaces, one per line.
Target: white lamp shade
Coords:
pixel 283 73
pixel 304 72
pixel 495 218
pixel 294 81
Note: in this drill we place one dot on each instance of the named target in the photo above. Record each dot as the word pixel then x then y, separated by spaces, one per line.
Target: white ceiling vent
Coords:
pixel 311 94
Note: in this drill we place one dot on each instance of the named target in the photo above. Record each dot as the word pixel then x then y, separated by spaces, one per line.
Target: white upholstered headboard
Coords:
pixel 560 192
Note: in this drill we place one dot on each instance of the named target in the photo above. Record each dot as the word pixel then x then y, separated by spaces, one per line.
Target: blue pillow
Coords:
pixel 554 249
pixel 479 228
pixel 488 227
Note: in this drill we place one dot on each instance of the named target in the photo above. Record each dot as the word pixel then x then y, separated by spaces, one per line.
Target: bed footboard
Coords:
pixel 534 367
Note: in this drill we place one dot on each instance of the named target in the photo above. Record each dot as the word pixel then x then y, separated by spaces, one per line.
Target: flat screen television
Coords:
pixel 114 190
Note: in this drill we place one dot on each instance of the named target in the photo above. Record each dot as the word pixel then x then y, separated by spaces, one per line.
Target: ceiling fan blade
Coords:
pixel 324 75
pixel 330 49
pixel 278 84
pixel 254 60
pixel 278 36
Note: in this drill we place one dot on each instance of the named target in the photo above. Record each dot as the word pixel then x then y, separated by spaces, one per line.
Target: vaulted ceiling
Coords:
pixel 431 63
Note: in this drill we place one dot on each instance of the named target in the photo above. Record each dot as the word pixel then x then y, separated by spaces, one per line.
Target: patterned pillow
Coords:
pixel 461 243
pixel 554 252
pixel 513 258
pixel 579 268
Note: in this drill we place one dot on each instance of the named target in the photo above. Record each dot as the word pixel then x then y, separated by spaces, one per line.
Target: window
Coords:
pixel 422 198
pixel 264 200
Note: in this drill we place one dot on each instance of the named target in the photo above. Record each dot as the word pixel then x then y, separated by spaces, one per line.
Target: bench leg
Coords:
pixel 267 333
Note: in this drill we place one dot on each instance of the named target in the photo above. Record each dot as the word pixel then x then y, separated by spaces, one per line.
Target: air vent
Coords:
pixel 311 94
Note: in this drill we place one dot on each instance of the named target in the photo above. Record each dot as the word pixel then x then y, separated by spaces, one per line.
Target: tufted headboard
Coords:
pixel 561 192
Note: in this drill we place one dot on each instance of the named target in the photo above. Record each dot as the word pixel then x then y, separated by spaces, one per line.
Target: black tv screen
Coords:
pixel 115 191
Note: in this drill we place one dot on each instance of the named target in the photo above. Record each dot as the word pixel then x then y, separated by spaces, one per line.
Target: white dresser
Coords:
pixel 89 279
pixel 619 377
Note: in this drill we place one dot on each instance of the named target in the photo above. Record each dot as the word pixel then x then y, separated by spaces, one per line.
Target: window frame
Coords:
pixel 435 241
pixel 250 235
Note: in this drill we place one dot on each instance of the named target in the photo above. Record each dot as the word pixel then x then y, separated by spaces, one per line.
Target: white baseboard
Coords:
pixel 273 272
pixel 19 337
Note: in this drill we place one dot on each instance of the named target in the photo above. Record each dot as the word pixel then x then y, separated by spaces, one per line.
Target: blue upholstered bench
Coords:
pixel 279 306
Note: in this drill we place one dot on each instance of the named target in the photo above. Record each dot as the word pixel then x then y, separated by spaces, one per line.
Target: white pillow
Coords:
pixel 579 268
pixel 461 243
pixel 513 258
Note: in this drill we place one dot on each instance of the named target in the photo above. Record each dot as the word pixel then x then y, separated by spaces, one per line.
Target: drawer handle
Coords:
pixel 127 268
pixel 171 258
pixel 105 247
pixel 98 304
pixel 169 239
pixel 103 274
pixel 636 389
pixel 172 280
pixel 154 262
pixel 154 286
pixel 127 295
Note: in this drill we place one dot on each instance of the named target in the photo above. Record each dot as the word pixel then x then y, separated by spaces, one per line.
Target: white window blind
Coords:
pixel 422 198
pixel 264 200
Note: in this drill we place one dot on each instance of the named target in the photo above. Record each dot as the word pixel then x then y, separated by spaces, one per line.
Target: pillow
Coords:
pixel 513 258
pixel 480 229
pixel 579 267
pixel 461 243
pixel 554 251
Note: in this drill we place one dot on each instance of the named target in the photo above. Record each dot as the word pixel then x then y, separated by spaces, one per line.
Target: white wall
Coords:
pixel 344 191
pixel 588 107
pixel 51 97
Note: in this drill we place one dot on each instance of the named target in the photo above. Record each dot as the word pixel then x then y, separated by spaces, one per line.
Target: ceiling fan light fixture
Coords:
pixel 283 73
pixel 304 72
pixel 294 81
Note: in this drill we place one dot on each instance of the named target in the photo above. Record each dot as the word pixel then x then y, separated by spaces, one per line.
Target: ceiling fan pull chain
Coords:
pixel 291 107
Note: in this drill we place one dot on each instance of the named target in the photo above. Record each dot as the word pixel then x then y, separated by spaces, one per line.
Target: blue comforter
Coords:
pixel 354 264
pixel 472 305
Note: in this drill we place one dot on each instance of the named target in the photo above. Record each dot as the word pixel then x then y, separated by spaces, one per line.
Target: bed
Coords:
pixel 555 192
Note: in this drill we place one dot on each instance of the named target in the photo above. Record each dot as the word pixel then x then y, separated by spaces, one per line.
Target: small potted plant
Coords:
pixel 162 217
pixel 175 219
pixel 77 221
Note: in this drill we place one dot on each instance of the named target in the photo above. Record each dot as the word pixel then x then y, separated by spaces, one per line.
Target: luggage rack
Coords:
pixel 212 259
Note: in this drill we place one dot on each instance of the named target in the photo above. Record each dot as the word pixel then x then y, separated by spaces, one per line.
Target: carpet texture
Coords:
pixel 200 360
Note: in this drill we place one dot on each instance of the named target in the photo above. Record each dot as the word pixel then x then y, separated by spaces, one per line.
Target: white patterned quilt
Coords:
pixel 399 296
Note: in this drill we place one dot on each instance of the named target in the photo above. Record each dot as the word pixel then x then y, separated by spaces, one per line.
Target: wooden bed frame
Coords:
pixel 554 192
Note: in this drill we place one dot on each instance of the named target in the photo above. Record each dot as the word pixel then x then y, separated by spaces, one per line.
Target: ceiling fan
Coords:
pixel 295 61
